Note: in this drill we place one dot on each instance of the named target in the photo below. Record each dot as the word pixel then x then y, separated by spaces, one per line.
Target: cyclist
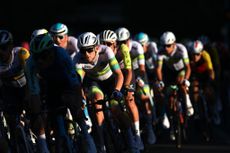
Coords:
pixel 51 64
pixel 13 81
pixel 59 32
pixel 203 75
pixel 99 70
pixel 138 65
pixel 177 68
pixel 150 52
pixel 214 53
pixel 109 38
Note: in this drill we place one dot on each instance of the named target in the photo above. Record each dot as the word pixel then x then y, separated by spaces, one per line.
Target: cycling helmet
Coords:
pixel 40 43
pixel 38 32
pixel 197 47
pixel 167 38
pixel 5 37
pixel 98 39
pixel 108 36
pixel 122 34
pixel 87 40
pixel 58 29
pixel 142 38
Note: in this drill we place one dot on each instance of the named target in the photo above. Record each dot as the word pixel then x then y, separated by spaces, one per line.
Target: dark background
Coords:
pixel 186 18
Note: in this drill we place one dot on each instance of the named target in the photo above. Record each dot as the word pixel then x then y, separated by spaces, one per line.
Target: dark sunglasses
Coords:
pixel 57 36
pixel 168 46
pixel 107 43
pixel 90 50
pixel 196 54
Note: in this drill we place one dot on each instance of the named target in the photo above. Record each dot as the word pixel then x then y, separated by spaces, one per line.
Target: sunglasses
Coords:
pixel 168 46
pixel 196 54
pixel 90 50
pixel 107 43
pixel 58 36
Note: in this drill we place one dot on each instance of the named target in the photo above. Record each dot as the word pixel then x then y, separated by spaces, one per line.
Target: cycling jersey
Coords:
pixel 103 66
pixel 12 73
pixel 72 46
pixel 137 54
pixel 177 60
pixel 204 64
pixel 123 57
pixel 151 56
pixel 60 74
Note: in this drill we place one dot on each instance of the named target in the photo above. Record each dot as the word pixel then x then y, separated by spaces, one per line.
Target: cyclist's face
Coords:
pixel 196 57
pixel 169 48
pixel 112 45
pixel 89 54
pixel 60 40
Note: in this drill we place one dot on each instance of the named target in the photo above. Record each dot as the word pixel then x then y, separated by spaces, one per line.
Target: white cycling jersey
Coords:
pixel 137 54
pixel 151 55
pixel 103 65
pixel 12 73
pixel 177 60
pixel 72 47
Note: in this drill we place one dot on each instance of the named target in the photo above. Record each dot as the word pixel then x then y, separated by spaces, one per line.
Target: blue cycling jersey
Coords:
pixel 60 74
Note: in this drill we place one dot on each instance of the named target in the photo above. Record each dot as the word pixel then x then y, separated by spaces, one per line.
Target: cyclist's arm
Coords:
pixel 80 71
pixel 116 70
pixel 187 71
pixel 186 63
pixel 159 68
pixel 208 60
pixel 141 62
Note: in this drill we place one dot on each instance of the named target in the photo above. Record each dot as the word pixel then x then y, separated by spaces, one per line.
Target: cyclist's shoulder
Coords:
pixel 181 47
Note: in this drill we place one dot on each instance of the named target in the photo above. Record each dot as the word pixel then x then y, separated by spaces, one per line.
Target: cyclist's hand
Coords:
pixel 140 82
pixel 186 82
pixel 117 95
pixel 160 85
pixel 129 88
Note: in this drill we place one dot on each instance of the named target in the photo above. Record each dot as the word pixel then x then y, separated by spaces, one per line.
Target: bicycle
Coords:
pixel 118 126
pixel 4 134
pixel 202 114
pixel 24 139
pixel 178 120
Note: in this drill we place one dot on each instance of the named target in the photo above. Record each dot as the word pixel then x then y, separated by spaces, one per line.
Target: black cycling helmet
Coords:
pixel 5 37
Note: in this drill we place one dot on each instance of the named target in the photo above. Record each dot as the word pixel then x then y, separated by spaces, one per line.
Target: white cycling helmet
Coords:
pixel 87 40
pixel 108 36
pixel 122 34
pixel 142 38
pixel 38 32
pixel 59 29
pixel 167 38
pixel 5 37
pixel 197 47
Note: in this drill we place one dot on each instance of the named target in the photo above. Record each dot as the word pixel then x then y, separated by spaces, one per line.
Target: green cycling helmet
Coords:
pixel 41 43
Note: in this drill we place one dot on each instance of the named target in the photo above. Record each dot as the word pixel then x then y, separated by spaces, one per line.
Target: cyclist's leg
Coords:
pixel 38 123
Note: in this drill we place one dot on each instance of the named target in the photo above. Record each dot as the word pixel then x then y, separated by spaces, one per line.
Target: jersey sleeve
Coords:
pixel 23 54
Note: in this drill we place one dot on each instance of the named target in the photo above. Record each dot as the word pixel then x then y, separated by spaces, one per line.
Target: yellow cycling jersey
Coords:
pixel 12 73
pixel 126 56
pixel 204 64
